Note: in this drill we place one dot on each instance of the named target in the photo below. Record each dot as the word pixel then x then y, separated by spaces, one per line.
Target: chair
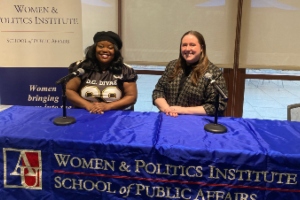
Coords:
pixel 293 112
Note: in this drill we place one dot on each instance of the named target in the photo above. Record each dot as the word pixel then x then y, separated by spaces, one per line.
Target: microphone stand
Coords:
pixel 215 127
pixel 64 120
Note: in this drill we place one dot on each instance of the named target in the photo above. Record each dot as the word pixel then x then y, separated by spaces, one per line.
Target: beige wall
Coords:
pixel 152 29
pixel 270 35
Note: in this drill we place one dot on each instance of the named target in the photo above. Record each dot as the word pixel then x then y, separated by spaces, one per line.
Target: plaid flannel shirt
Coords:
pixel 203 94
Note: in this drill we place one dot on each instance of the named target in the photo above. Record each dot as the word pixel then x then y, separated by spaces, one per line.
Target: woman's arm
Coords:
pixel 161 104
pixel 73 96
pixel 158 94
pixel 195 110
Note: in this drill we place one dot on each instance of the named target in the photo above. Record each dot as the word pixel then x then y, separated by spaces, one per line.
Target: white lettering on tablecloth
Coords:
pixel 253 176
pixel 77 162
pixel 167 169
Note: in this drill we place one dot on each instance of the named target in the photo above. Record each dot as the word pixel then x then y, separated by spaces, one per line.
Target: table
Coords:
pixel 145 155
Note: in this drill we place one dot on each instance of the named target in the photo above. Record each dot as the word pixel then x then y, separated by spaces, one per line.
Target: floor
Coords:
pixel 268 99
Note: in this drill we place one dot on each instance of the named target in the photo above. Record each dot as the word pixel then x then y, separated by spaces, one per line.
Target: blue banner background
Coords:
pixel 15 86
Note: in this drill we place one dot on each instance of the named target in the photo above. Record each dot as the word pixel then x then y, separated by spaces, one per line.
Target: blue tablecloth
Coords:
pixel 145 155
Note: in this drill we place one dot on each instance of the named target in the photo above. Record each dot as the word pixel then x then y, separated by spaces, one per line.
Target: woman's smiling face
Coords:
pixel 105 52
pixel 190 49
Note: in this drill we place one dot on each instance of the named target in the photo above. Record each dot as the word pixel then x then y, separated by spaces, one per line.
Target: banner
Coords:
pixel 31 86
pixel 40 33
pixel 38 41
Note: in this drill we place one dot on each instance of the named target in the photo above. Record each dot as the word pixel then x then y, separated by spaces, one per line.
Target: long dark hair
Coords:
pixel 200 67
pixel 92 63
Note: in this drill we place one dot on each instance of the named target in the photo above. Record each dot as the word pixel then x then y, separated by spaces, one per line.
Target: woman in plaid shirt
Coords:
pixel 183 89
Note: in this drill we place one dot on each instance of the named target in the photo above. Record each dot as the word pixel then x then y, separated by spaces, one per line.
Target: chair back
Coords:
pixel 293 112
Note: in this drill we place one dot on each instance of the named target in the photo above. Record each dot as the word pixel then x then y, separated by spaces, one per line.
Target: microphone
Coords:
pixel 208 76
pixel 79 72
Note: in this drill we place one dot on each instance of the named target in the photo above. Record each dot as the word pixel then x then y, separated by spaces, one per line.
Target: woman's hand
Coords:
pixel 98 107
pixel 174 111
pixel 170 111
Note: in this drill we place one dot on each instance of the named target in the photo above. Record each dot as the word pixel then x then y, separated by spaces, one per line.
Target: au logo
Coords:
pixel 22 168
